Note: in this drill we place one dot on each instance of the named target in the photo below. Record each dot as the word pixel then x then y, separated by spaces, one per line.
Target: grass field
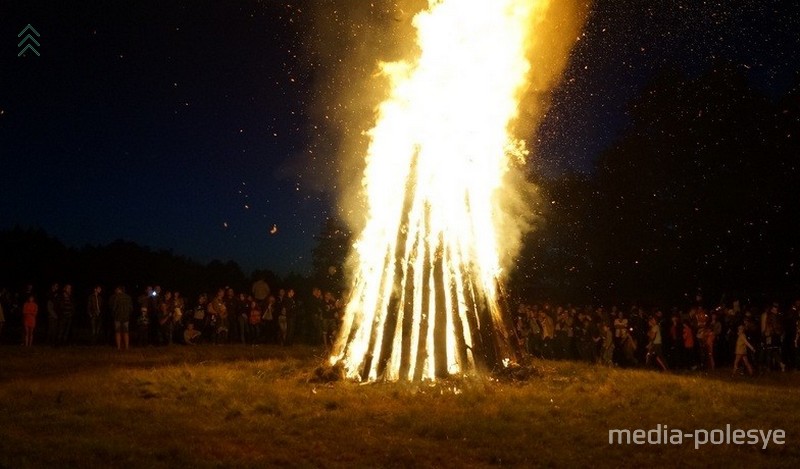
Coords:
pixel 237 406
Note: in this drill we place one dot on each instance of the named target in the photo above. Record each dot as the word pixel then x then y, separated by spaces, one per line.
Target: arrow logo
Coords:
pixel 29 39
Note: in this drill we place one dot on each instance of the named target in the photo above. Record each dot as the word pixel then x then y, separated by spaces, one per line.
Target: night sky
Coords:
pixel 194 125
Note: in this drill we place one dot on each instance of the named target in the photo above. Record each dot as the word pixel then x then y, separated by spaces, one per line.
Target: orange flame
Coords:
pixel 424 302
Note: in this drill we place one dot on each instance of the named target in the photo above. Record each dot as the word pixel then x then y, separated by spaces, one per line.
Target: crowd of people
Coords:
pixel 160 317
pixel 695 338
pixel 732 335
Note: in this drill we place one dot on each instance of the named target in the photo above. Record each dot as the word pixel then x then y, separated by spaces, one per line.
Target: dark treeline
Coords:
pixel 701 193
pixel 31 257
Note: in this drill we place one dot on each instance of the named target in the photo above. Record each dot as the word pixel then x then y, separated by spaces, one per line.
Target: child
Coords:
pixel 742 345
pixel 190 334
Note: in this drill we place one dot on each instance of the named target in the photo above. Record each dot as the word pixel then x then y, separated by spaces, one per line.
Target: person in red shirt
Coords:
pixel 29 312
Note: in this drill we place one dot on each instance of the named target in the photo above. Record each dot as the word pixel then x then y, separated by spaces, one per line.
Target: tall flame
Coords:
pixel 425 300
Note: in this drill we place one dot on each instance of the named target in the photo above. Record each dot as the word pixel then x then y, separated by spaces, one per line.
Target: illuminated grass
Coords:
pixel 254 407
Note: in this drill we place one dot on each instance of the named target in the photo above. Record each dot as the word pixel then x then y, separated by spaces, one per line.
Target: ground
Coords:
pixel 244 406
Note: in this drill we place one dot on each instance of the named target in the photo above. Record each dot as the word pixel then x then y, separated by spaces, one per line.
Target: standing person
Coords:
pixel 279 299
pixel 341 308
pixel 143 320
pixel 178 321
pixel 254 321
pixel 316 307
pixel 199 313
pixel 564 334
pixel 707 343
pixel 243 316
pixel 742 344
pixel 535 343
pixel 289 306
pixel 522 329
pixel 142 327
pixel 121 308
pixel 154 315
pixel 219 315
pixel 65 308
pixel 52 314
pixel 771 337
pixel 675 350
pixel 283 326
pixel 269 318
pixel 548 332
pixel 165 312
pixel 607 345
pixel 210 324
pixel 628 348
pixel 654 348
pixel 232 307
pixel 178 304
pixel 94 308
pixel 328 319
pixel 688 352
pixel 29 311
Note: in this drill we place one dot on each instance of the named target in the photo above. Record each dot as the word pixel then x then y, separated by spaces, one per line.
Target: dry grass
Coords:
pixel 255 407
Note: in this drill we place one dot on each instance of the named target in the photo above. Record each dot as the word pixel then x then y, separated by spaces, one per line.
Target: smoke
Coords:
pixel 349 40
pixel 557 27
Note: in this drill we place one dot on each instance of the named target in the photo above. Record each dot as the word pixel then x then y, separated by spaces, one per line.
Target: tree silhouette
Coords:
pixel 701 191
